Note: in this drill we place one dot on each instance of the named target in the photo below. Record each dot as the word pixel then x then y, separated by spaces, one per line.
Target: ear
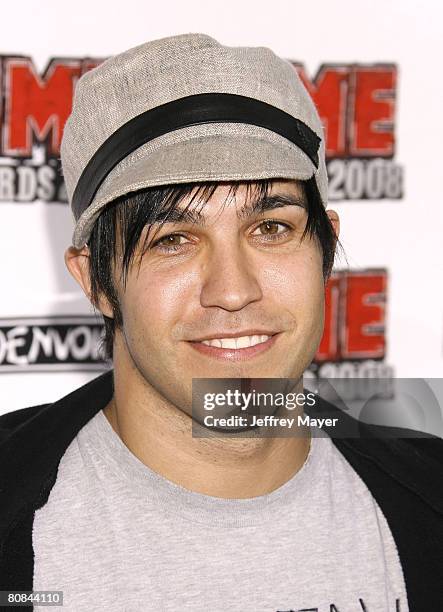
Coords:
pixel 77 262
pixel 335 221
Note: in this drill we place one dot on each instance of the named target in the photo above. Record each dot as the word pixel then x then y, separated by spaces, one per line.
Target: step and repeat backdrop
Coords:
pixel 373 72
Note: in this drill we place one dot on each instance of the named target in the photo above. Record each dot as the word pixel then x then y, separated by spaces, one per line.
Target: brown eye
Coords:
pixel 171 240
pixel 169 243
pixel 270 227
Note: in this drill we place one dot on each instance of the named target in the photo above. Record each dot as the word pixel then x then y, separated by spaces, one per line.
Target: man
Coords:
pixel 197 179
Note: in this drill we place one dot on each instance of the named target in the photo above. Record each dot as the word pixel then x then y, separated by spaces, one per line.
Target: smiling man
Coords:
pixel 206 294
pixel 196 175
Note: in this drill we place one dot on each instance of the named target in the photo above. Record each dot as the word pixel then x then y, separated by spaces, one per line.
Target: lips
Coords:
pixel 252 331
pixel 236 347
pixel 240 342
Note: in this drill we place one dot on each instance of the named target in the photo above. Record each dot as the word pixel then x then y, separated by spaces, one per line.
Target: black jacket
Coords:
pixel 403 474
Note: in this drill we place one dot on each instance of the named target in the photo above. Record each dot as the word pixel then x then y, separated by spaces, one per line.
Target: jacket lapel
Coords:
pixel 30 455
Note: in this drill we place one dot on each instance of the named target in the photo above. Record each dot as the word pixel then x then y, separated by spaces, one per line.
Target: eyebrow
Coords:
pixel 258 206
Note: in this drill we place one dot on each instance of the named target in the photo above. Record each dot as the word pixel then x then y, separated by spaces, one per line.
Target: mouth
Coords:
pixel 236 348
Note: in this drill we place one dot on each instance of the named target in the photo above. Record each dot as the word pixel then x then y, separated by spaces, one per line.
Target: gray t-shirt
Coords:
pixel 116 536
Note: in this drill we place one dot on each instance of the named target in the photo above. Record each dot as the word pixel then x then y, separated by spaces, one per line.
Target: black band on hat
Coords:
pixel 184 112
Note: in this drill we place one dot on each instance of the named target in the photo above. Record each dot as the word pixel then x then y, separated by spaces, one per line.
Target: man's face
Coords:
pixel 232 276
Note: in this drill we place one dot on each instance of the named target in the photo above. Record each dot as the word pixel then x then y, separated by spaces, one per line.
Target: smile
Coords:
pixel 239 348
pixel 236 343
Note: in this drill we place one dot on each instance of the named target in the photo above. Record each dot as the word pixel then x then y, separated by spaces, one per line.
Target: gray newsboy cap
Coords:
pixel 186 109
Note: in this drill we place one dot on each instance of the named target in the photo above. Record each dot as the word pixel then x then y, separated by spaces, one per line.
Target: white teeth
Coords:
pixel 236 343
pixel 243 342
pixel 229 343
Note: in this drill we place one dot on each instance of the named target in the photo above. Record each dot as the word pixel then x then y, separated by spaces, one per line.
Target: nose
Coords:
pixel 229 279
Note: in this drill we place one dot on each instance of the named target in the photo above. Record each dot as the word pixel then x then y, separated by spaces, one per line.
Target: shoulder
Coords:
pixel 427 447
pixel 392 461
pixel 386 445
pixel 418 446
pixel 81 402
pixel 11 421
pixel 64 416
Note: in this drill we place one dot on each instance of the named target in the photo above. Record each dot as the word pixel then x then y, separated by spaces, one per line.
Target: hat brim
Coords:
pixel 219 157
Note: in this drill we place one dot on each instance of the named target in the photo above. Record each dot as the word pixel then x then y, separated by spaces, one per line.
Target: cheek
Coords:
pixel 153 302
pixel 297 283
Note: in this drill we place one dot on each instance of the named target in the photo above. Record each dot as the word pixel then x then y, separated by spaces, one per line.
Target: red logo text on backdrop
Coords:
pixel 356 104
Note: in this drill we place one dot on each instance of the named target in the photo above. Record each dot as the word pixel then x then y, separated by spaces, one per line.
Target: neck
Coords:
pixel 160 435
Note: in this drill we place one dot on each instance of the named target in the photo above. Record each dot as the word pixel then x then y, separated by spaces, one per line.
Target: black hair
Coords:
pixel 122 222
